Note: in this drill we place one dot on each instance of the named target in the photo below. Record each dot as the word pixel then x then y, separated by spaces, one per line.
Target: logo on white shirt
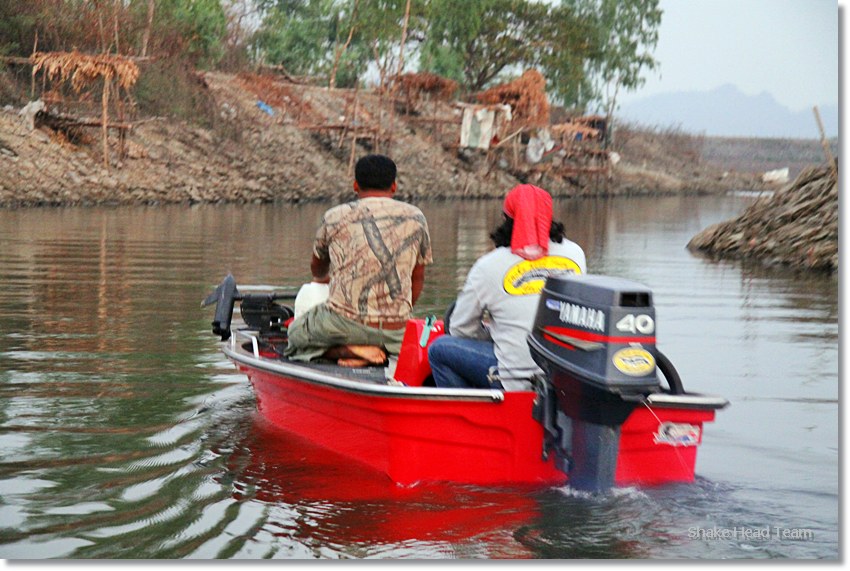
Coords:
pixel 528 276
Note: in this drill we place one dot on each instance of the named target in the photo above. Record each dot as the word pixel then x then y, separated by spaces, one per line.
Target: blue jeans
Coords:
pixel 461 363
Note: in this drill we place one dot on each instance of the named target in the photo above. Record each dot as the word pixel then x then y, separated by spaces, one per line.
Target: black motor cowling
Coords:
pixel 599 329
pixel 594 336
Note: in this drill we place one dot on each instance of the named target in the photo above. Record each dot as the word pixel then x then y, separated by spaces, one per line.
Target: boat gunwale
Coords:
pixel 307 374
pixel 686 400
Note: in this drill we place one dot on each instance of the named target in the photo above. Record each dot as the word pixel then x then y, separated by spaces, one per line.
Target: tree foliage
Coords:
pixel 311 36
pixel 381 23
pixel 194 29
pixel 566 47
pixel 585 48
pixel 297 34
pixel 198 28
pixel 627 33
pixel 476 41
pixel 588 50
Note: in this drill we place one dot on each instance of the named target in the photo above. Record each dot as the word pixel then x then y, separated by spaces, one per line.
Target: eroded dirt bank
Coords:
pixel 249 155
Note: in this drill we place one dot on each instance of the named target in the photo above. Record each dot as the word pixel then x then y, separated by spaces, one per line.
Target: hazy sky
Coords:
pixel 788 48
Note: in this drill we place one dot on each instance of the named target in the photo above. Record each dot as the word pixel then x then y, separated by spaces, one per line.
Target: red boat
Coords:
pixel 277 459
pixel 597 418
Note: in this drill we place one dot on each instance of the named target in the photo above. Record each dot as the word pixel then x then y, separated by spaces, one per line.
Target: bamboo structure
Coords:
pixel 413 85
pixel 82 71
pixel 830 159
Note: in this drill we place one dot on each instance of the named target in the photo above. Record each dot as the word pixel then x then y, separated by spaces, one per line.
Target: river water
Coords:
pixel 124 433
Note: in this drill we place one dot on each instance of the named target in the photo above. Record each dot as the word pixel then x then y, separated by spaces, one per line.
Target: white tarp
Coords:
pixel 481 123
pixel 538 145
pixel 779 176
pixel 29 111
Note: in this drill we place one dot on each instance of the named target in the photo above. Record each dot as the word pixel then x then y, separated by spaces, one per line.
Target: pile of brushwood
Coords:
pixel 797 226
pixel 526 96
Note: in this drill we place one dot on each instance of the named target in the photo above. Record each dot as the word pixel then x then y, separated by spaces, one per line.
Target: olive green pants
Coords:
pixel 321 328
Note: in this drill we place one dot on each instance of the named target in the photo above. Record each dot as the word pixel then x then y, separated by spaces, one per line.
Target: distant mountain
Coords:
pixel 726 111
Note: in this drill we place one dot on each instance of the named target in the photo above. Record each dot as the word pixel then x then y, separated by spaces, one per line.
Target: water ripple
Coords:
pixel 126 434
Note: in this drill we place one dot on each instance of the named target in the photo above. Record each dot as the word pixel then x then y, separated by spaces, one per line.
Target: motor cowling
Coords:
pixel 599 329
pixel 594 337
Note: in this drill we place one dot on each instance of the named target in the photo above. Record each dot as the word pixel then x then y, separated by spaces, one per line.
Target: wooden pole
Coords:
pixel 105 119
pixel 353 134
pixel 146 36
pixel 825 144
pixel 339 51
pixel 122 133
pixel 115 8
pixel 34 50
pixel 103 45
pixel 398 72
pixel 509 137
pixel 403 39
pixel 379 136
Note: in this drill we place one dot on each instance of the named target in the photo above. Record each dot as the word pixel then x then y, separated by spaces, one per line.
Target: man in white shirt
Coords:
pixel 505 284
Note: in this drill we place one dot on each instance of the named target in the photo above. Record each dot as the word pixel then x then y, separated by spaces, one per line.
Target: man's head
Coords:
pixel 374 172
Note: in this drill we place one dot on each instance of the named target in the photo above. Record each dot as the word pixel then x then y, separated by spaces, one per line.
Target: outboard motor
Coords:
pixel 259 311
pixel 594 336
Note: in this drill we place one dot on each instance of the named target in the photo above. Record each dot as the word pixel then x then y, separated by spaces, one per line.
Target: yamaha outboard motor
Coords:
pixel 594 336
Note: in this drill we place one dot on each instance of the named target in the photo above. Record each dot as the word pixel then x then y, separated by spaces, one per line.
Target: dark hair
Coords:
pixel 501 236
pixel 375 172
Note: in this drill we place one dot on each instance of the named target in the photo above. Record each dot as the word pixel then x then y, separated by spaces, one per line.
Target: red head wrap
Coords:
pixel 531 210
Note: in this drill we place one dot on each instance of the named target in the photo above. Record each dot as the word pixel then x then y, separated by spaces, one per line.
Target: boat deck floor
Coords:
pixel 376 374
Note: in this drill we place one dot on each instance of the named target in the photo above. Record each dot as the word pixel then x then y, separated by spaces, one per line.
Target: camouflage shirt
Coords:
pixel 373 245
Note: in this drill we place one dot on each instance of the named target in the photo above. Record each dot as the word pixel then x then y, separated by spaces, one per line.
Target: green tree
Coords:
pixel 380 29
pixel 475 41
pixel 297 34
pixel 195 28
pixel 334 37
pixel 17 27
pixel 627 36
pixel 191 28
pixel 565 47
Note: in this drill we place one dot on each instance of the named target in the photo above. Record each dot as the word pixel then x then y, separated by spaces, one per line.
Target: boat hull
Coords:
pixel 413 438
pixel 487 437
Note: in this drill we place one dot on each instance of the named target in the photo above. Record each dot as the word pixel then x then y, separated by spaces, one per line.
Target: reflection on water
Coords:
pixel 125 434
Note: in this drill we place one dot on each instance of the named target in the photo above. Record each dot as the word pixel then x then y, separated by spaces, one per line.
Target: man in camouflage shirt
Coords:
pixel 372 252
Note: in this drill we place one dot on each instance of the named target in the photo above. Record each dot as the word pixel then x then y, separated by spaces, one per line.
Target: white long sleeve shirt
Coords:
pixel 507 287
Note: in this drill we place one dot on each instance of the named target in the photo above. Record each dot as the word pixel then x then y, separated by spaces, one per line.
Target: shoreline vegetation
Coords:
pixel 272 140
pixel 184 102
pixel 250 155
